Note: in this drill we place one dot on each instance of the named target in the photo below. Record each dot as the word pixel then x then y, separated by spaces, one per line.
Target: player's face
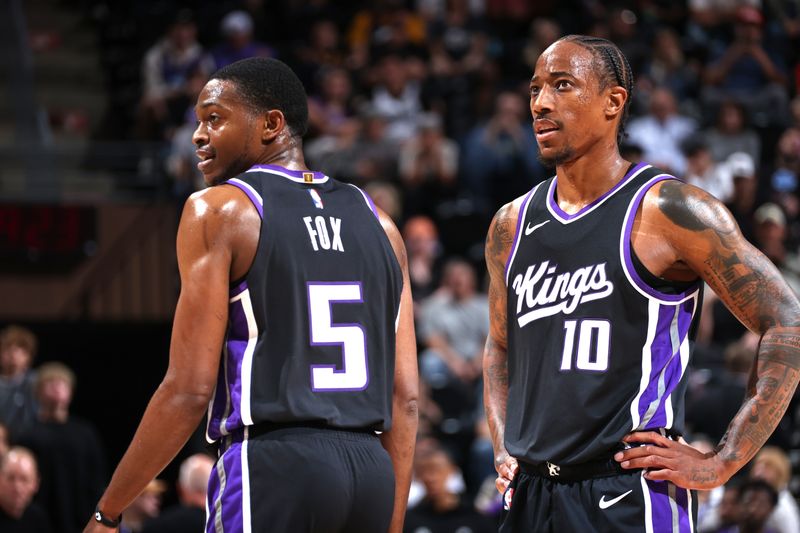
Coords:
pixel 227 135
pixel 567 105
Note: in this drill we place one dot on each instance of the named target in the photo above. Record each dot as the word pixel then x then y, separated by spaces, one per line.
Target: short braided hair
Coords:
pixel 612 69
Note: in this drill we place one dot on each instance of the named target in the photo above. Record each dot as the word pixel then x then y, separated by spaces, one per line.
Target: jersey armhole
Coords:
pixel 679 291
pixel 251 193
pixel 368 200
pixel 523 211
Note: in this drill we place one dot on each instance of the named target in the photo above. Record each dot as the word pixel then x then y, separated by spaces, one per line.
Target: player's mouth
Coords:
pixel 545 128
pixel 206 157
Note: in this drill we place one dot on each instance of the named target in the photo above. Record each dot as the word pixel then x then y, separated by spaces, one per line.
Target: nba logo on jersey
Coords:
pixel 507 498
pixel 316 198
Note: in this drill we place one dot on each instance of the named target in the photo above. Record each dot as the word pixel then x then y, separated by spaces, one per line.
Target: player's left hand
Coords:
pixel 667 459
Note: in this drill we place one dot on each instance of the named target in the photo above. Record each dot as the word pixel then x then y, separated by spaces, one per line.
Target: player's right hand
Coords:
pixel 507 468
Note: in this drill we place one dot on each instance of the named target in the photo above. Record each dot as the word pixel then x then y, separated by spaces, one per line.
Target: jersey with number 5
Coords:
pixel 311 327
pixel 597 345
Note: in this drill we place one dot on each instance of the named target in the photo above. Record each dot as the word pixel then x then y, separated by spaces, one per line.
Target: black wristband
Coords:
pixel 106 521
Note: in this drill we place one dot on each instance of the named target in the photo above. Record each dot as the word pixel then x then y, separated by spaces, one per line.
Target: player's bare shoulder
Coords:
pixel 502 231
pixel 395 238
pixel 688 208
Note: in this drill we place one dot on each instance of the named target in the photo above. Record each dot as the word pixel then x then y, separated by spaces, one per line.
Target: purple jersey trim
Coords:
pixel 626 246
pixel 520 219
pixel 559 213
pixel 369 201
pixel 297 175
pixel 250 192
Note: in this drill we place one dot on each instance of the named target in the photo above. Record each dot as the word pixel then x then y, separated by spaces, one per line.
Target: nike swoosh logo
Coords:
pixel 530 229
pixel 605 504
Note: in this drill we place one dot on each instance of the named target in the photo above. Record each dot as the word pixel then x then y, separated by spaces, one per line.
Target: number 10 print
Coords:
pixel 351 337
pixel 594 344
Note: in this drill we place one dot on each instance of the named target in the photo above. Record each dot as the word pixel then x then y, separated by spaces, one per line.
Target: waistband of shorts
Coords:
pixel 278 429
pixel 604 467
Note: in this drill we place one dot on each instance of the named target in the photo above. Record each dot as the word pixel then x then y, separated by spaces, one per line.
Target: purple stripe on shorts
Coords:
pixel 660 506
pixel 218 406
pixel 232 517
pixel 249 193
pixel 684 510
pixel 211 497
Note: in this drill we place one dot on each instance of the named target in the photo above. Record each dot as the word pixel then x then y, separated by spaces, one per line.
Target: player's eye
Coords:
pixel 562 84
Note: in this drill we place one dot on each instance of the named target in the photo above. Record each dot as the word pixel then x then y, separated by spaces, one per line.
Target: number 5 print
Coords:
pixel 351 337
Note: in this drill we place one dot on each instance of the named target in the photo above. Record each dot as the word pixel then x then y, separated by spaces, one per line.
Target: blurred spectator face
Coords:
pixel 756 506
pixel 393 74
pixel 14 361
pixel 421 236
pixel 5 444
pixel 772 465
pixel 19 481
pixel 148 503
pixel 510 109
pixel 545 32
pixel 699 162
pixel 731 118
pixel 662 104
pixel 433 470
pixel 749 21
pixel 183 34
pixel 729 506
pixel 55 394
pixel 237 27
pixel 789 146
pixel 667 47
pixel 460 279
pixel 336 85
pixel 325 35
pixel 193 480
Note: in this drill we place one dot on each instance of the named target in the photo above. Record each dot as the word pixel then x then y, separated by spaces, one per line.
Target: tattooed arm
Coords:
pixel 698 235
pixel 495 367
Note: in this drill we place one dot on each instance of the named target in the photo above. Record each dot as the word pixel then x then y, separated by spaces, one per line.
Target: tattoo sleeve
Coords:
pixel 495 367
pixel 754 290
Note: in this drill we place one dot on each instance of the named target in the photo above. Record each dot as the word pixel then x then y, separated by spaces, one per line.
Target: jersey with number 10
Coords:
pixel 311 327
pixel 597 346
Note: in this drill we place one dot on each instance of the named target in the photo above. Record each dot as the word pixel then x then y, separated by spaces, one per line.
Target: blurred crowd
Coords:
pixel 424 103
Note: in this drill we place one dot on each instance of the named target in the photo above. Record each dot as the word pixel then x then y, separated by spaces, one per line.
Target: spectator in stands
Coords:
pixel 238 43
pixel 428 167
pixel 702 171
pixel 442 510
pixel 499 158
pixel 745 183
pixel 5 440
pixel 182 159
pixel 786 175
pixel 189 516
pixel 723 510
pixel 721 396
pixel 661 132
pixel 757 500
pixel 385 26
pixel 453 326
pixel 749 72
pixel 146 507
pixel 331 106
pixel 667 67
pixel 17 399
pixel 321 49
pixel 70 456
pixel 19 481
pixel 424 256
pixel 397 97
pixel 770 237
pixel 730 134
pixel 772 465
pixel 167 66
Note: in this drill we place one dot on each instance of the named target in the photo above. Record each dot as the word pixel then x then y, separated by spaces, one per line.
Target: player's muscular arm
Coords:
pixel 400 440
pixel 204 243
pixel 495 366
pixel 705 238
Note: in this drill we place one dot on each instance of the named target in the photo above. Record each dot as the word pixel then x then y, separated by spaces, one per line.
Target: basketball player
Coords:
pixel 293 330
pixel 595 281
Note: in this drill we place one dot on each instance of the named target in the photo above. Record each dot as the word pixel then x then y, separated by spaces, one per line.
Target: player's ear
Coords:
pixel 615 102
pixel 273 124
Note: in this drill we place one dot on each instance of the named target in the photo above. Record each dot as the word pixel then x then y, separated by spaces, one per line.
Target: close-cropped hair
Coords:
pixel 266 84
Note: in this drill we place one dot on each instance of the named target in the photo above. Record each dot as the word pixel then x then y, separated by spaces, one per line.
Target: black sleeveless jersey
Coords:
pixel 594 351
pixel 311 328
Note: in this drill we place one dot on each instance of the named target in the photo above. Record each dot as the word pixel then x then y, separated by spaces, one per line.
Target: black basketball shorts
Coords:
pixel 301 479
pixel 620 503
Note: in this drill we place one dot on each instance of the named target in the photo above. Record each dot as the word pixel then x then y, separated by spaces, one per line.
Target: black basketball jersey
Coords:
pixel 311 328
pixel 594 351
